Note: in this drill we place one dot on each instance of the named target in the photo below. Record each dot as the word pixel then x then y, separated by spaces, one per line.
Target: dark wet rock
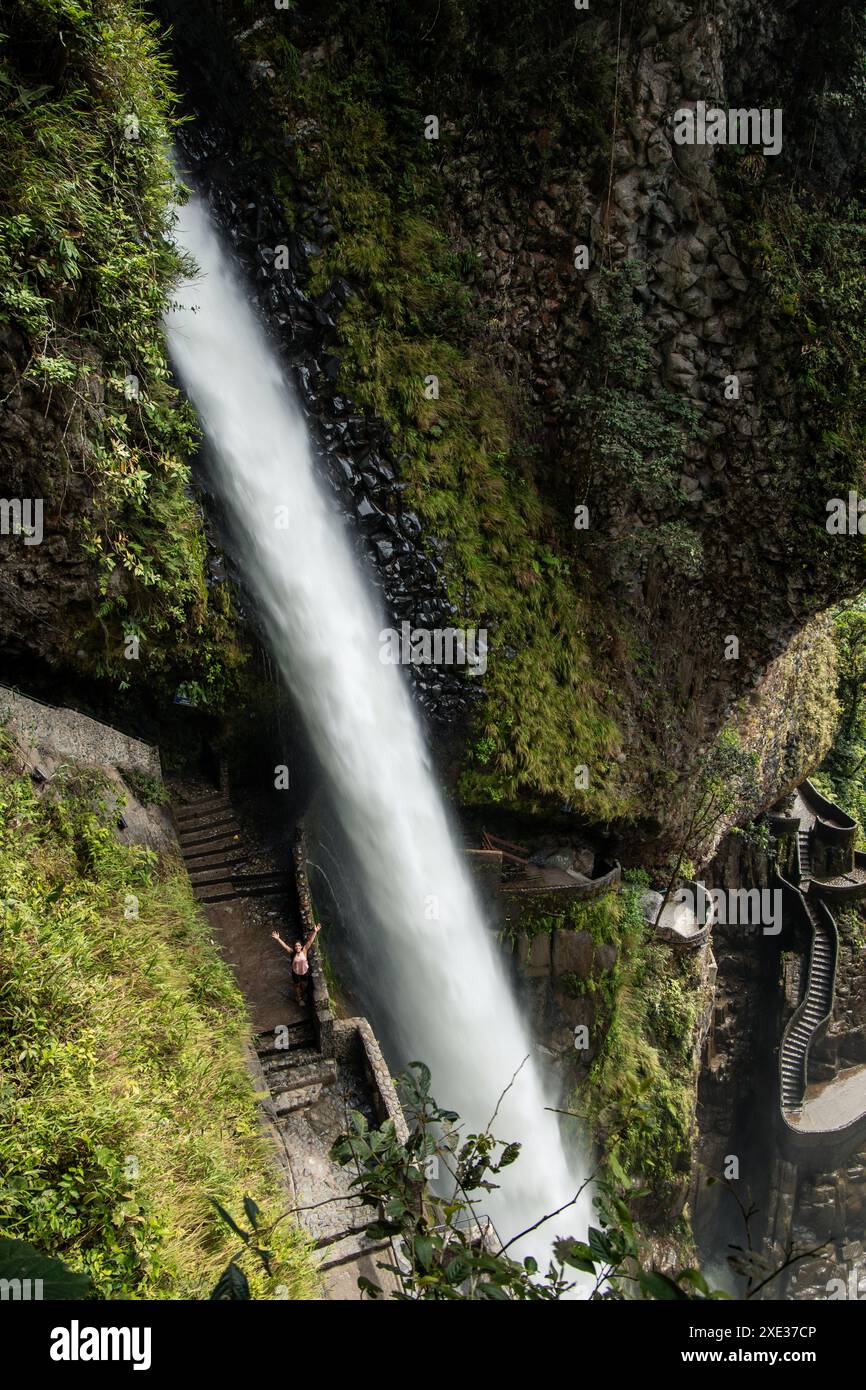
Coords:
pixel 343 467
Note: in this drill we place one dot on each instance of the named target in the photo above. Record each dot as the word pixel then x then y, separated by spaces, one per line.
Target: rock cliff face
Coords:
pixel 742 499
pixel 629 290
pixel 632 300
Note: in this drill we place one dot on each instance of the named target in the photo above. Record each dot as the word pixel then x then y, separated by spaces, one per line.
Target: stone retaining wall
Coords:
pixel 51 737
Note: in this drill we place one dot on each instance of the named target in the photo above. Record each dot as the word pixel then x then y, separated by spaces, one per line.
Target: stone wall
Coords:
pixel 746 483
pixel 52 738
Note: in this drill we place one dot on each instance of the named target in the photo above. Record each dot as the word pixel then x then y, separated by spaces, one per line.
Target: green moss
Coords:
pixel 470 469
pixel 86 269
pixel 640 1092
pixel 125 1103
pixel 842 775
pixel 807 252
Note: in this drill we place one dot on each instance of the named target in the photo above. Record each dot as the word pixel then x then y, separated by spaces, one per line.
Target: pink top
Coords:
pixel 300 964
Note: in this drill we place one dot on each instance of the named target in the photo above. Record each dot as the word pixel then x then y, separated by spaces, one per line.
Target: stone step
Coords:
pixel 227 830
pixel 279 1059
pixel 230 890
pixel 219 892
pixel 225 842
pixel 197 808
pixel 290 1101
pixel 215 859
pixel 278 877
pixel 202 823
pixel 295 1077
pixel 244 884
pixel 297 1035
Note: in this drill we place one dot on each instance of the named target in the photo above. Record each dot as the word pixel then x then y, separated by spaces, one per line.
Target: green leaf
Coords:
pixel 232 1285
pixel 252 1212
pixel 21 1260
pixel 458 1269
pixel 494 1291
pixel 424 1248
pixel 659 1286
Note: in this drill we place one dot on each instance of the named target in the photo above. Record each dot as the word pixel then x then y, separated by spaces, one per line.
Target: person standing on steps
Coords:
pixel 300 964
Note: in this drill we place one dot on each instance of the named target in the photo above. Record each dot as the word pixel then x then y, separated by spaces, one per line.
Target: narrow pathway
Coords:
pixel 820 1123
pixel 817 1002
pixel 311 1087
pixel 813 1010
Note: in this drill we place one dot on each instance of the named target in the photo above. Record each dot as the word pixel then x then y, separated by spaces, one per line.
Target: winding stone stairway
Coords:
pixel 312 1068
pixel 813 1011
pixel 827 869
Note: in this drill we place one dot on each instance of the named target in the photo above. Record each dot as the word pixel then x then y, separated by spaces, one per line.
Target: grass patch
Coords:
pixel 125 1102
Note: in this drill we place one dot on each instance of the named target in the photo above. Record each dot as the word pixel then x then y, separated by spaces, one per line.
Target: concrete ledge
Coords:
pixel 837 892
pixel 831 822
pixel 51 737
pixel 66 734
pixel 383 1091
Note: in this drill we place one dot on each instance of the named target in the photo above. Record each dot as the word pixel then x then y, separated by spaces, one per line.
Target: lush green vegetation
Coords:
pixel 842 775
pixel 441 1258
pixel 808 252
pixel 125 1104
pixel 86 268
pixel 639 1095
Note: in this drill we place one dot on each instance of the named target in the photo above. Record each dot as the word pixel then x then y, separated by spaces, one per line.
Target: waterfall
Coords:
pixel 439 978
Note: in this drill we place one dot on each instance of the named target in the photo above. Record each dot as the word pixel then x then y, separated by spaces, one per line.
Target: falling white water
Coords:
pixel 442 986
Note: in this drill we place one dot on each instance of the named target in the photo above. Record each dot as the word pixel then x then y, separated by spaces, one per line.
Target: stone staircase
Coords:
pixel 315 1069
pixel 805 852
pixel 296 1073
pixel 214 853
pixel 813 1009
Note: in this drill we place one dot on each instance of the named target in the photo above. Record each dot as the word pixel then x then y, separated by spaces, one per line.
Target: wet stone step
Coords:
pixel 191 849
pixel 226 890
pixel 234 855
pixel 300 1099
pixel 228 831
pixel 295 1078
pixel 197 808
pixel 298 1037
pixel 202 878
pixel 204 823
pixel 280 1059
pixel 216 893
